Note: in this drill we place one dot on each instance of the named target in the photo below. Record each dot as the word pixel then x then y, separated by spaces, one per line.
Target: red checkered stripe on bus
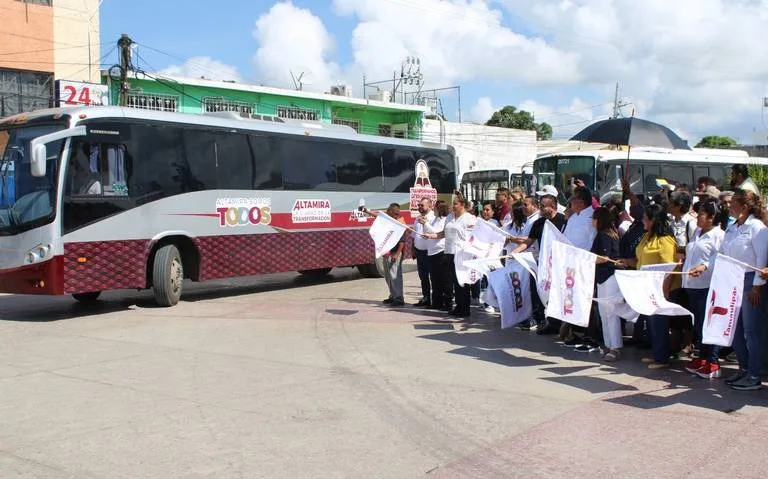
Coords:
pixel 107 265
pixel 249 255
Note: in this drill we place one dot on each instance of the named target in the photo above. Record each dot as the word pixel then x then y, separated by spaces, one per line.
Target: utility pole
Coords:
pixel 124 44
pixel 616 102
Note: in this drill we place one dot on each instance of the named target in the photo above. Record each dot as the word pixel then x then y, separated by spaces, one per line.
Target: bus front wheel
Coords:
pixel 167 275
pixel 87 297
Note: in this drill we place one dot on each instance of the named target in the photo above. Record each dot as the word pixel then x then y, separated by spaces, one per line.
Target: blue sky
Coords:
pixel 557 58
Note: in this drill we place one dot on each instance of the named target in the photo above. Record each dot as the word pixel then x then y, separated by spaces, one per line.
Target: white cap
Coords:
pixel 547 190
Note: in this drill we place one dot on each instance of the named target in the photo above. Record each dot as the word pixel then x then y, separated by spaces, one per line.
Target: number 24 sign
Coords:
pixel 80 93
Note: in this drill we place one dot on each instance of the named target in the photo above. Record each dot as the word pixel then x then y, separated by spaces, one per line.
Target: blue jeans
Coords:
pixel 749 331
pixel 658 333
pixel 697 300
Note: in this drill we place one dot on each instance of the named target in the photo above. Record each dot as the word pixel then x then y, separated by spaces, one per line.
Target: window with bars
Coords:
pixel 214 104
pixel 155 102
pixel 24 91
pixel 354 124
pixel 297 113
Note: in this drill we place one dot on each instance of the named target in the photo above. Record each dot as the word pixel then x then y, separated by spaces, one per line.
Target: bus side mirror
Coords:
pixel 38 160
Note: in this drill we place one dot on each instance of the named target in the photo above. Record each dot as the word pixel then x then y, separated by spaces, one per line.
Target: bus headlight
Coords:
pixel 38 253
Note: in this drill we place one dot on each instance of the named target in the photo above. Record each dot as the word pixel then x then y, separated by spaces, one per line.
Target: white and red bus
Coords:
pixel 103 198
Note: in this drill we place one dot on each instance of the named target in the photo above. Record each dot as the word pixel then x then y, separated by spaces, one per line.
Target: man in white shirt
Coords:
pixel 683 223
pixel 550 190
pixel 421 247
pixel 579 229
pixel 740 179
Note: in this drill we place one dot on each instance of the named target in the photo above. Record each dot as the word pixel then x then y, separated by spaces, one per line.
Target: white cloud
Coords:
pixel 695 65
pixel 483 110
pixel 207 67
pixel 456 40
pixel 293 39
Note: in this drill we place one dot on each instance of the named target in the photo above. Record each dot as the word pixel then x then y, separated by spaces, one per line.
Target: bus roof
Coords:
pixel 221 120
pixel 697 155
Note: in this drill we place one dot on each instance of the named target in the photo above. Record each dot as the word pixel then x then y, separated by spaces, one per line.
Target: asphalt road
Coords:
pixel 283 377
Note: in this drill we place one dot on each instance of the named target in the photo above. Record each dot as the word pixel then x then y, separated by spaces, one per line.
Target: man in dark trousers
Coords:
pixel 420 247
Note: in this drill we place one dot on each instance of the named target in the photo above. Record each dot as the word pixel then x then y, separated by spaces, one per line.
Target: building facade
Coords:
pixel 199 96
pixel 480 147
pixel 42 41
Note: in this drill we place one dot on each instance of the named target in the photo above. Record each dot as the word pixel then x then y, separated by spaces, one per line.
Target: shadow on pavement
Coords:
pixel 482 339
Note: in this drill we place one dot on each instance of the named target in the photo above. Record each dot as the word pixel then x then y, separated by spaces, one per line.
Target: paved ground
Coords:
pixel 278 377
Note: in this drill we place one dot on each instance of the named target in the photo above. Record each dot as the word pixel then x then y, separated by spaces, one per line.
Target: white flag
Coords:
pixel 726 291
pixel 643 291
pixel 616 305
pixel 386 233
pixel 544 279
pixel 573 284
pixel 527 261
pixel 511 288
pixel 485 242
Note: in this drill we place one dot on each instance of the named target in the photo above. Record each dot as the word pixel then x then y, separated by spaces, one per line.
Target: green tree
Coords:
pixel 543 131
pixel 511 117
pixel 714 141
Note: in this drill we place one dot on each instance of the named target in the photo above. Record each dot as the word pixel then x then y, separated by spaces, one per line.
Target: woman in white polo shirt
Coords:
pixel 456 230
pixel 700 254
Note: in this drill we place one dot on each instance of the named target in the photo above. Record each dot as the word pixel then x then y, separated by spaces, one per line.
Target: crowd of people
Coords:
pixel 680 224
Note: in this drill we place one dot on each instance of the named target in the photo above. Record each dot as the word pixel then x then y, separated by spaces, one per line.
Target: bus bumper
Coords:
pixel 40 278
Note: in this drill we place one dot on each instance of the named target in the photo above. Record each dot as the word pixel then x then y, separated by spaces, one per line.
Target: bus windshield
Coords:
pixel 561 171
pixel 26 201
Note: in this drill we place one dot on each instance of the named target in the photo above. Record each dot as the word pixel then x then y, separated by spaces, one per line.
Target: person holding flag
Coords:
pixel 456 231
pixel 700 253
pixel 746 241
pixel 388 234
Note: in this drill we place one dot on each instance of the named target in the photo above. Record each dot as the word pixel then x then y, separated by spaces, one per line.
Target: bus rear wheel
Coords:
pixel 315 273
pixel 87 297
pixel 167 275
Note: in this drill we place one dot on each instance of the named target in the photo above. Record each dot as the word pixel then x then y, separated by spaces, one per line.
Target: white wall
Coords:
pixel 480 147
pixel 70 32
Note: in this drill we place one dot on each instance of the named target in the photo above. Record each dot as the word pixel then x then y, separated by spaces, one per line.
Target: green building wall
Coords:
pixel 190 100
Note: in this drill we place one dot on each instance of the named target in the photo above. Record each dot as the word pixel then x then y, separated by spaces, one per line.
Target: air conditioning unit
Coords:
pixel 381 95
pixel 341 90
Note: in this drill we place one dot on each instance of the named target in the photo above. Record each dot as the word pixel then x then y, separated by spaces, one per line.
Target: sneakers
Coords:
pixel 587 347
pixel 574 342
pixel 694 365
pixel 747 383
pixel 656 365
pixel 709 370
pixel 735 377
pixel 489 309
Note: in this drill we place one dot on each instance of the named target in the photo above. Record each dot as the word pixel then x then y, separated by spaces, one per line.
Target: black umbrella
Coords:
pixel 631 132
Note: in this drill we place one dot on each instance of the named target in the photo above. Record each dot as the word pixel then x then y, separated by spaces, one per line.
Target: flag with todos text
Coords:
pixel 572 284
pixel 643 291
pixel 544 279
pixel 484 243
pixel 386 233
pixel 511 288
pixel 726 291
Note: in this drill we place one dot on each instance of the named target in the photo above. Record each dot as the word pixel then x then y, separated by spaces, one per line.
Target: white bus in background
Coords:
pixel 482 185
pixel 649 168
pixel 101 198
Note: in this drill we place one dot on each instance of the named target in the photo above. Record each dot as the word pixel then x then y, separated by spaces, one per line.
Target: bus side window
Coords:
pixel 269 173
